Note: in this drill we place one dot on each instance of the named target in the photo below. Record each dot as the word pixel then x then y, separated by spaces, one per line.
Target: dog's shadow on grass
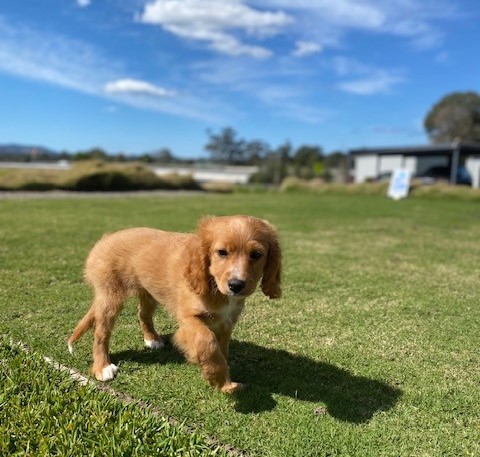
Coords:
pixel 330 389
pixel 344 395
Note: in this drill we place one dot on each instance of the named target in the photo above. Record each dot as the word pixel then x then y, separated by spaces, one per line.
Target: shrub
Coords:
pixel 37 186
pixel 95 175
pixel 102 180
pixel 292 184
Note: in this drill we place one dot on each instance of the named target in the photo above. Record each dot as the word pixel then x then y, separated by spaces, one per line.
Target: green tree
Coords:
pixel 274 166
pixel 163 155
pixel 456 115
pixel 92 154
pixel 283 156
pixel 335 159
pixel 224 147
pixel 256 151
pixel 306 160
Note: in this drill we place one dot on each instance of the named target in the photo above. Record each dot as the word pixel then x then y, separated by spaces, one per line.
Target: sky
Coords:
pixel 135 76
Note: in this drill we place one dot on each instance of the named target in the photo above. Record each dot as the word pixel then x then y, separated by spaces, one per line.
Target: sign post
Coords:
pixel 399 184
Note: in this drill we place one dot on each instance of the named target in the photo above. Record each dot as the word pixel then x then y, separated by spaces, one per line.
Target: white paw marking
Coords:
pixel 108 373
pixel 70 348
pixel 154 344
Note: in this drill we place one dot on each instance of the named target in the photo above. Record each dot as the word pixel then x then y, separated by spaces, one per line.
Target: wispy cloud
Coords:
pixel 83 3
pixel 376 83
pixel 363 79
pixel 73 64
pixel 346 13
pixel 414 21
pixel 54 59
pixel 237 27
pixel 305 48
pixel 247 59
pixel 243 28
pixel 136 87
pixel 279 86
pixel 218 23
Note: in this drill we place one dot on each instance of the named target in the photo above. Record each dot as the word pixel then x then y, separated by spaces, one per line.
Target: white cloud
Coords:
pixel 331 20
pixel 295 107
pixel 377 82
pixel 364 79
pixel 53 59
pixel 349 13
pixel 280 86
pixel 217 23
pixel 345 66
pixel 60 61
pixel 83 3
pixel 136 87
pixel 305 48
pixel 236 27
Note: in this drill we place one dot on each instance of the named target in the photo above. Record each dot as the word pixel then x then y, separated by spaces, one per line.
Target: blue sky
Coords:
pixel 139 75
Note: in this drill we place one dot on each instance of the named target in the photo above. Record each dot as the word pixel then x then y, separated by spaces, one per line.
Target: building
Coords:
pixel 235 174
pixel 373 163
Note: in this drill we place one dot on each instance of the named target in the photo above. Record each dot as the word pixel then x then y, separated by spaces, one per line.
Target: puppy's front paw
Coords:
pixel 154 344
pixel 232 387
pixel 107 373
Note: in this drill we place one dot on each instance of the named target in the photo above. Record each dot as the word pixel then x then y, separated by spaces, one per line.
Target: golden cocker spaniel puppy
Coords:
pixel 202 279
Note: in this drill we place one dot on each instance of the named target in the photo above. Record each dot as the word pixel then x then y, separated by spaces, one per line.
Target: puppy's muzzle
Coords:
pixel 236 285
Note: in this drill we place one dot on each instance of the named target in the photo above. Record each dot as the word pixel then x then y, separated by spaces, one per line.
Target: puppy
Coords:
pixel 202 279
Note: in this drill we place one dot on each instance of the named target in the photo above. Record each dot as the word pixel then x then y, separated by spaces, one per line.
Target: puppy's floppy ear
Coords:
pixel 198 260
pixel 273 266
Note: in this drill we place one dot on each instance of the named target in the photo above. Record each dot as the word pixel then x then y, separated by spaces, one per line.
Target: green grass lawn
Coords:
pixel 373 349
pixel 44 413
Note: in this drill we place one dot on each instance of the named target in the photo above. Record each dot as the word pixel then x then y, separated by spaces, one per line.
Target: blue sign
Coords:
pixel 399 184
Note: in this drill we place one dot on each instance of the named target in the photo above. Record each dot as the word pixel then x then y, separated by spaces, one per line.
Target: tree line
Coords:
pixel 455 116
pixel 305 161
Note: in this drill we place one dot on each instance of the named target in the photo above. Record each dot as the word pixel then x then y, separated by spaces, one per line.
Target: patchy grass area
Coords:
pixel 373 349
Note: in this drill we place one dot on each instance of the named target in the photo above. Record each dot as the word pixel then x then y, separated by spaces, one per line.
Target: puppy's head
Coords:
pixel 233 253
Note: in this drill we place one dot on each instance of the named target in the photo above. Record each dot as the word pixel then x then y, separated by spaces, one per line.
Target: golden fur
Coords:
pixel 202 279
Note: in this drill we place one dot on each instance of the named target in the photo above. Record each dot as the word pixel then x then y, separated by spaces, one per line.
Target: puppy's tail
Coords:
pixel 86 323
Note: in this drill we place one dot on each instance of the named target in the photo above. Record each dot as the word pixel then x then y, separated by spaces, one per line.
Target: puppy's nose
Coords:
pixel 236 285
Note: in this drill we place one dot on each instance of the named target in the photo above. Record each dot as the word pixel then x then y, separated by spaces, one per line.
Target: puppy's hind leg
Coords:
pixel 146 308
pixel 106 305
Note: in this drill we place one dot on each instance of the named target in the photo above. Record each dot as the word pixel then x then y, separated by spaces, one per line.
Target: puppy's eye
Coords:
pixel 255 255
pixel 222 253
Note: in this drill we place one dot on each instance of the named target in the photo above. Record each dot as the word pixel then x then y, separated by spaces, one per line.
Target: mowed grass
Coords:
pixel 372 350
pixel 44 413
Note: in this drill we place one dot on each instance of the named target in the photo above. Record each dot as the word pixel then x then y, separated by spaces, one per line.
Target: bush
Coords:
pixel 292 184
pixel 443 190
pixel 219 187
pixel 95 175
pixel 36 186
pixel 176 181
pixel 103 180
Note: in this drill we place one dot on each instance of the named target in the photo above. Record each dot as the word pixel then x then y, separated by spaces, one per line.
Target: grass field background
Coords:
pixel 372 350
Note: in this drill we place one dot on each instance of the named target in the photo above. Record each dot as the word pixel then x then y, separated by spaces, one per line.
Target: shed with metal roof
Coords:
pixel 372 163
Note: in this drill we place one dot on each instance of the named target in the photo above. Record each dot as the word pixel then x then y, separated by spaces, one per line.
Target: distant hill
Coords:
pixel 25 153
